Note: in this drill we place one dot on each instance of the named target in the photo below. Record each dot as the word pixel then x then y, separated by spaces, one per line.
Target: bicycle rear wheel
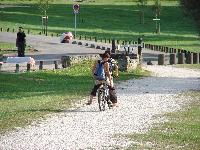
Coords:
pixel 101 100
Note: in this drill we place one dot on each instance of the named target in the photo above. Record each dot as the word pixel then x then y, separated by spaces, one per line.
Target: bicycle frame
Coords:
pixel 103 96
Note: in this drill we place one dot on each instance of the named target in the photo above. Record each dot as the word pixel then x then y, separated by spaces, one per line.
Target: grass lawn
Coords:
pixel 181 132
pixel 6 48
pixel 29 96
pixel 109 19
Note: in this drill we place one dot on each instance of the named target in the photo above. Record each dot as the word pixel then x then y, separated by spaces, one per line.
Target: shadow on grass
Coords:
pixel 117 18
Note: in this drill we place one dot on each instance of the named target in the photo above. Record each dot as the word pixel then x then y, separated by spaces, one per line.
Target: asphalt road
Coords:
pixel 51 48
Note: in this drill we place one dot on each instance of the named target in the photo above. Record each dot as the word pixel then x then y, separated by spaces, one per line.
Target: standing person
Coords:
pixel 98 82
pixel 21 42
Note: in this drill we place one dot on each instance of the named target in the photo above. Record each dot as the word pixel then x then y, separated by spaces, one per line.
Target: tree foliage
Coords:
pixel 157 8
pixel 43 5
pixel 192 7
pixel 142 4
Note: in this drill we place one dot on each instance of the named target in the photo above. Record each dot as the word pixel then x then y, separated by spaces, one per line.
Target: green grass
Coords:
pixel 7 48
pixel 111 19
pixel 29 96
pixel 181 132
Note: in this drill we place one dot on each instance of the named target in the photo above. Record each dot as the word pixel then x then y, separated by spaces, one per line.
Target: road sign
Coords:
pixel 156 19
pixel 76 8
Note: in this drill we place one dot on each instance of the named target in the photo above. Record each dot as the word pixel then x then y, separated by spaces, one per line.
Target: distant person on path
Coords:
pixel 21 42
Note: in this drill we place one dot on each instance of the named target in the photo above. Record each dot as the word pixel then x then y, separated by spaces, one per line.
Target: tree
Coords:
pixel 192 7
pixel 43 6
pixel 157 8
pixel 157 11
pixel 142 5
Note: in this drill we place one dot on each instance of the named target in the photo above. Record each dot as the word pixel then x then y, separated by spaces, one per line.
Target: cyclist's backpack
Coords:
pixel 99 73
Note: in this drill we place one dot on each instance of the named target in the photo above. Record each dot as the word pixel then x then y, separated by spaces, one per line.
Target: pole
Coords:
pixel 46 24
pixel 75 25
pixel 156 25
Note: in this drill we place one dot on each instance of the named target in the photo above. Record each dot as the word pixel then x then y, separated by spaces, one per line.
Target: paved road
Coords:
pixel 51 48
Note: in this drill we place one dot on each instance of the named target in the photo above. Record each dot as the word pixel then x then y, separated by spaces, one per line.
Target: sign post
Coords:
pixel 157 24
pixel 44 24
pixel 76 8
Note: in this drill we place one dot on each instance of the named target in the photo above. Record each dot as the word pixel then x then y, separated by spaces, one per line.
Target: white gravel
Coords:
pixel 141 104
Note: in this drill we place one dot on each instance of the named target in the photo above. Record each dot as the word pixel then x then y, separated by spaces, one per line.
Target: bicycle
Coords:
pixel 104 97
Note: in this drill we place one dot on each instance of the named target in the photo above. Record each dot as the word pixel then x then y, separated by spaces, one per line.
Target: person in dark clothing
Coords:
pixel 21 42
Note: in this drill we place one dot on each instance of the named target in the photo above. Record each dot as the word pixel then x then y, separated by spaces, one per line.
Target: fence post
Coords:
pixel 175 51
pixel 161 59
pixel 198 57
pixel 56 64
pixel 17 68
pixel 195 58
pixel 113 46
pixel 28 67
pixel 189 58
pixel 181 58
pixel 172 59
pixel 41 65
pixel 0 66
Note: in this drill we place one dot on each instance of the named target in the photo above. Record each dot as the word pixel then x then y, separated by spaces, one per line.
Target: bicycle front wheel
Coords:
pixel 101 100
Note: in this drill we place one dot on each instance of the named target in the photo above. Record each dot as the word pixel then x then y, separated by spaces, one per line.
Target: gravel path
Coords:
pixel 141 103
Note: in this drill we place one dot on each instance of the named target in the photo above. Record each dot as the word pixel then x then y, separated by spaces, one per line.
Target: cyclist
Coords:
pixel 114 71
pixel 108 80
